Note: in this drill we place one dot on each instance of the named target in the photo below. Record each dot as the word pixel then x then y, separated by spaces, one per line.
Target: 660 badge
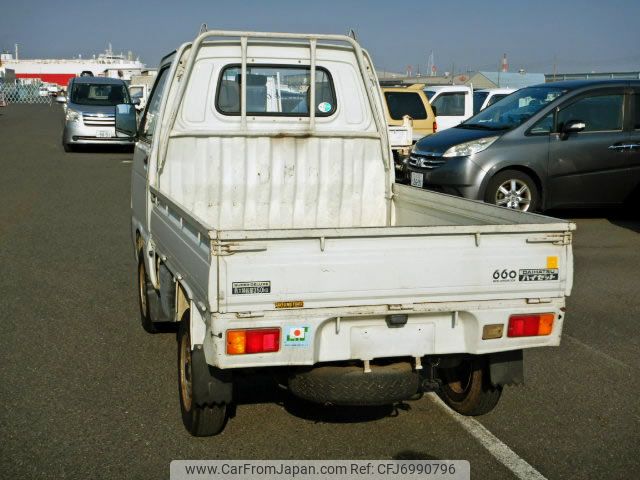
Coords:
pixel 504 275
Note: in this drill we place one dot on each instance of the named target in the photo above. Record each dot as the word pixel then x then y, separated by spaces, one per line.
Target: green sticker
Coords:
pixel 324 107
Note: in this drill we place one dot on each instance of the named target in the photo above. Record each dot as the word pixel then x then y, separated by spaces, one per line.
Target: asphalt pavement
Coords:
pixel 86 393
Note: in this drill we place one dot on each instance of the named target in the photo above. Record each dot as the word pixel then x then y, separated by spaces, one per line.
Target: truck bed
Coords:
pixel 440 249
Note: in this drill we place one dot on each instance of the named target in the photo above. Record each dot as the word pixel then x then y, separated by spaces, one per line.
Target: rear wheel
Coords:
pixel 199 420
pixel 467 388
pixel 144 288
pixel 513 189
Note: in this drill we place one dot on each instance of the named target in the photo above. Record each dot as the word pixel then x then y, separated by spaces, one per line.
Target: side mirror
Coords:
pixel 126 120
pixel 61 99
pixel 573 126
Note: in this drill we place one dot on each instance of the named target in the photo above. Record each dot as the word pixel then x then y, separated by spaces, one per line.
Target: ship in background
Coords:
pixel 60 71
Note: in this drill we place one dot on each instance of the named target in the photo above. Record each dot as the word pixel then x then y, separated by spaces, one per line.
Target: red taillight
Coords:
pixel 260 340
pixel 530 325
pixel 435 126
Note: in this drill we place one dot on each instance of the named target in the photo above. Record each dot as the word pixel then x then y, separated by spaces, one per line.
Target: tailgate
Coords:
pixel 405 266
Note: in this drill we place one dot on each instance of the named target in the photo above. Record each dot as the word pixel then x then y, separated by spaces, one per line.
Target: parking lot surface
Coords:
pixel 86 393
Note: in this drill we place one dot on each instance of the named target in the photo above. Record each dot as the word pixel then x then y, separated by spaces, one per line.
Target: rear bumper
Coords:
pixel 362 333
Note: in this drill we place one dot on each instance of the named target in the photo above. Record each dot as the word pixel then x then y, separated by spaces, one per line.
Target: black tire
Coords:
pixel 199 420
pixel 145 299
pixel 67 147
pixel 529 198
pixel 467 388
pixel 349 385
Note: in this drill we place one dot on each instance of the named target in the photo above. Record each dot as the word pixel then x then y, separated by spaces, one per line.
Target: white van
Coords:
pixel 452 104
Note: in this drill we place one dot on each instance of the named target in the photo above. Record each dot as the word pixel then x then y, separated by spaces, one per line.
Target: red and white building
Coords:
pixel 59 71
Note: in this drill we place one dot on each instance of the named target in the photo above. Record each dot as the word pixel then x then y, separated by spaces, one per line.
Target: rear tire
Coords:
pixel 144 301
pixel 513 189
pixel 467 388
pixel 199 420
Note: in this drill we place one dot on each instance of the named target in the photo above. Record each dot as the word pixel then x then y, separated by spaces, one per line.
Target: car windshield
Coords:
pixel 99 94
pixel 478 100
pixel 514 109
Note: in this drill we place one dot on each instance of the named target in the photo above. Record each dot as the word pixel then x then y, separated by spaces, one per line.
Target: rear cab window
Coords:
pixel 405 103
pixel 278 90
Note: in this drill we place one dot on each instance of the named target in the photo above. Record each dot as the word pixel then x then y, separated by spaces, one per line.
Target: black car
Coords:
pixel 561 144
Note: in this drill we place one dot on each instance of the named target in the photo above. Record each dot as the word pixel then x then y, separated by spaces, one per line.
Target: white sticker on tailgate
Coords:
pixel 250 288
pixel 297 337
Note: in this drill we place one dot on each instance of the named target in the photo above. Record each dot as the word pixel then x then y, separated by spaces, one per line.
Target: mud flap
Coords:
pixel 210 385
pixel 506 368
pixel 167 295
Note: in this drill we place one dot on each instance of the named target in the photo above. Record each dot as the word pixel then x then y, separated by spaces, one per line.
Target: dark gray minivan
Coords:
pixel 561 144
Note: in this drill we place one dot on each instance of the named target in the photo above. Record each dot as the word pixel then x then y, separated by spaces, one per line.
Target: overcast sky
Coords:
pixel 579 36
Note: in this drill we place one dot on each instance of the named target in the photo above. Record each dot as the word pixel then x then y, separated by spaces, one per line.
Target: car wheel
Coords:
pixel 467 388
pixel 145 287
pixel 513 189
pixel 199 420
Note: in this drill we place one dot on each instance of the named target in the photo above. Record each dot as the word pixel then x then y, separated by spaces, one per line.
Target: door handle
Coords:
pixel 624 146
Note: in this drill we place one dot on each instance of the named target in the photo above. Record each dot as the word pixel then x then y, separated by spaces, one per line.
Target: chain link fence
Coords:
pixel 29 93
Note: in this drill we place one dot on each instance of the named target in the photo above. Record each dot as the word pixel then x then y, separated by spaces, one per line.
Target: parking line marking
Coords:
pixel 596 351
pixel 510 459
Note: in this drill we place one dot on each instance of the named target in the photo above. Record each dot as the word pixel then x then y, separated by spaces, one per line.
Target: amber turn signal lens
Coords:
pixel 546 324
pixel 236 342
pixel 530 325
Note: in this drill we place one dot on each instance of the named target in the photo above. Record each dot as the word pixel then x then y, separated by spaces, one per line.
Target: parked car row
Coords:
pixel 563 144
pixel 416 111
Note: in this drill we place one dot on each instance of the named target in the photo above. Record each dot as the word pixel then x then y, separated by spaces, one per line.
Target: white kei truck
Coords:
pixel 267 225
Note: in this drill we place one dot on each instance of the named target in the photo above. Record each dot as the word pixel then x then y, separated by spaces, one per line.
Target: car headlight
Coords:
pixel 469 148
pixel 72 116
